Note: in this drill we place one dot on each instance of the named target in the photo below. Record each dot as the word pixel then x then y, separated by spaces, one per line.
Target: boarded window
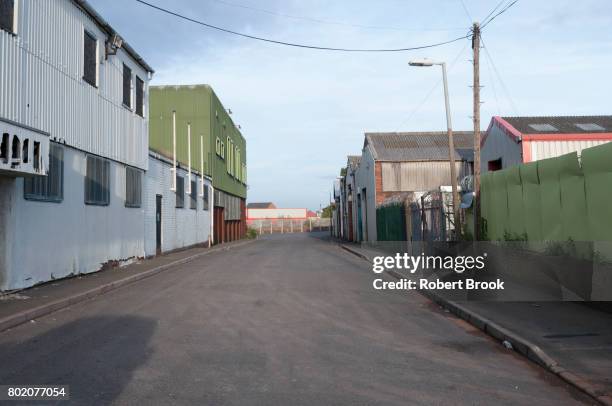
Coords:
pixel 127 86
pixel 180 192
pixel 133 187
pixel 48 188
pixel 193 204
pixel 139 97
pixel 90 46
pixel 97 181
pixel 205 197
pixel 7 15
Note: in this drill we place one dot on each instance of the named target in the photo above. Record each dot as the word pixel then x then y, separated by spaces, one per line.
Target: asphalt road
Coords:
pixel 287 320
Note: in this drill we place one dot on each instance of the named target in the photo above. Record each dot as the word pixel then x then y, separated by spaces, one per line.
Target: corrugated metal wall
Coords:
pixel 231 205
pixel 552 149
pixel 419 176
pixel 42 87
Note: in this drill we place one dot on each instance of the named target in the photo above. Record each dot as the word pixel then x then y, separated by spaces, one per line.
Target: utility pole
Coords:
pixel 476 89
pixel 451 150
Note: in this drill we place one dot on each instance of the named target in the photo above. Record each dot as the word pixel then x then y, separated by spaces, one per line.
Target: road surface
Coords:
pixel 286 320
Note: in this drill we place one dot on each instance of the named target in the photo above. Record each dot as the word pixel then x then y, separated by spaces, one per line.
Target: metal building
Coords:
pixel 74 128
pixel 214 134
pixel 511 141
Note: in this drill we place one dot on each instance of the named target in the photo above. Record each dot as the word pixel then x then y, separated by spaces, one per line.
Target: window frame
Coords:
pixel 180 192
pixel 193 196
pixel 133 197
pixel 56 162
pixel 92 36
pixel 102 168
pixel 129 103
pixel 205 197
pixel 140 96
pixel 13 28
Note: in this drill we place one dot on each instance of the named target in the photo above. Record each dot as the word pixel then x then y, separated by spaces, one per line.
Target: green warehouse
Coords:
pixel 218 149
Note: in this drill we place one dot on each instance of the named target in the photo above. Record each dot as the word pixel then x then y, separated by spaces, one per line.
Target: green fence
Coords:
pixel 391 222
pixel 557 199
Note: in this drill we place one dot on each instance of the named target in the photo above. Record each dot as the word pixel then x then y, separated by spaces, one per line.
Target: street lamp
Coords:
pixel 451 145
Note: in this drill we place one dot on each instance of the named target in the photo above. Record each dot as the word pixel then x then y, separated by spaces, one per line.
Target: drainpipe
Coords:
pixel 173 182
pixel 189 158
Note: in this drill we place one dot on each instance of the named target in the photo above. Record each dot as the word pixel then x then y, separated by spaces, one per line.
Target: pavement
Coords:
pixel 571 339
pixel 287 319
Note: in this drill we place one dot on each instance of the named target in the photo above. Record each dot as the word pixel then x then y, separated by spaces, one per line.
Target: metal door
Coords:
pixel 158 223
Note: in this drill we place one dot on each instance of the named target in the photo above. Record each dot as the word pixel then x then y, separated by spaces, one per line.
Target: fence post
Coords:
pixel 291 226
pixel 282 226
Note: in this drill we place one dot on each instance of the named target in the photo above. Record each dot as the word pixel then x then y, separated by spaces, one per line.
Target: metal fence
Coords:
pixel 282 226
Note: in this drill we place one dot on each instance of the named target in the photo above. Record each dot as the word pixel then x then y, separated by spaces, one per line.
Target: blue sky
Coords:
pixel 303 111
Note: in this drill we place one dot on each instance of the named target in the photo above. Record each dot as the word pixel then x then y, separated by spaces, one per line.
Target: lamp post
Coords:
pixel 451 144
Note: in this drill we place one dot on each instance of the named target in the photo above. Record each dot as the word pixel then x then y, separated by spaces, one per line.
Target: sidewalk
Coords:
pixel 25 305
pixel 570 339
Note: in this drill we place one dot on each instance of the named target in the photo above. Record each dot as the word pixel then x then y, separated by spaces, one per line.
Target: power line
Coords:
pixel 499 13
pixel 320 21
pixel 494 10
pixel 501 81
pixel 434 87
pixel 467 13
pixel 296 45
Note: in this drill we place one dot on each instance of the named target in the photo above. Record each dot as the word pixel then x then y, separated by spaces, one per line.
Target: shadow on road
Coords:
pixel 95 356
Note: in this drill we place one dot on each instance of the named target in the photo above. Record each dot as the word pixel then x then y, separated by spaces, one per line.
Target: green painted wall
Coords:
pixel 200 106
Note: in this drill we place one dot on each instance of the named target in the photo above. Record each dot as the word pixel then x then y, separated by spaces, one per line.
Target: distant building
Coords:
pixel 263 205
pixel 74 143
pixel 400 163
pixel 514 140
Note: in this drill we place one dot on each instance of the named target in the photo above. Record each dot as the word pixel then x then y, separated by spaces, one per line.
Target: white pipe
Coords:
pixel 173 182
pixel 202 164
pixel 188 191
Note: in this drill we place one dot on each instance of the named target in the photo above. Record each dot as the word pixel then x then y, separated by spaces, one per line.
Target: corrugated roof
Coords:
pixel 561 124
pixel 353 160
pixel 419 146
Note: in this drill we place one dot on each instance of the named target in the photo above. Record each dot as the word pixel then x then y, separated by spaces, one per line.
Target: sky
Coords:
pixel 303 111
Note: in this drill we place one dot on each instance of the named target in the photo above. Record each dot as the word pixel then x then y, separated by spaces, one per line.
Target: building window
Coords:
pixel 180 192
pixel 495 165
pixel 193 203
pixel 97 181
pixel 7 15
pixel 127 86
pixel 205 197
pixel 48 188
pixel 133 187
pixel 90 59
pixel 139 97
pixel 222 150
pixel 218 146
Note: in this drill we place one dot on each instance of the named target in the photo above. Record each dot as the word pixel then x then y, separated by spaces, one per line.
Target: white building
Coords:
pixel 175 219
pixel 74 127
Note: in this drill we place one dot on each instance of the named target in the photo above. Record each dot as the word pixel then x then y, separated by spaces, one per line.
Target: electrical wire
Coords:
pixel 319 21
pixel 494 10
pixel 296 45
pixel 498 14
pixel 501 81
pixel 434 87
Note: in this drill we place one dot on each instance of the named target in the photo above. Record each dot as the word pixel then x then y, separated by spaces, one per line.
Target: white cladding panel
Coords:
pixel 551 149
pixel 276 213
pixel 42 86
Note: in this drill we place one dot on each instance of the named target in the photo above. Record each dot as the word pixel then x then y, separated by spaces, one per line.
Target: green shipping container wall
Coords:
pixel 556 199
pixel 224 145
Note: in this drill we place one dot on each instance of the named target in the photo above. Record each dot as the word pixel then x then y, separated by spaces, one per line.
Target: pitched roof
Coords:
pixel 561 124
pixel 353 160
pixel 262 205
pixel 419 146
